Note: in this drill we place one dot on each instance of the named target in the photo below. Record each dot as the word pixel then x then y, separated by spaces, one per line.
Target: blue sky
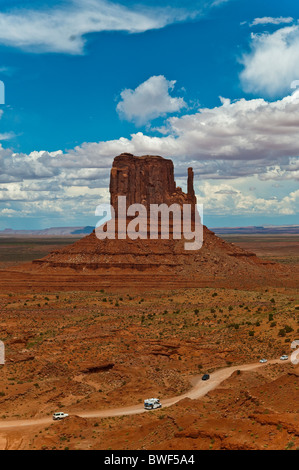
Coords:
pixel 206 83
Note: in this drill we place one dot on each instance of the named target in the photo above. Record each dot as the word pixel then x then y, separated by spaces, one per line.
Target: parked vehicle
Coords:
pixel 59 415
pixel 263 361
pixel 205 377
pixel 152 403
pixel 284 357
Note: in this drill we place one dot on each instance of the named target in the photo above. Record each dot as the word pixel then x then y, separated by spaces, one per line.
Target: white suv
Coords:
pixel 284 357
pixel 59 415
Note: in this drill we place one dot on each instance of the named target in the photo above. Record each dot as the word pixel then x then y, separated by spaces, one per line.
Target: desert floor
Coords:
pixel 79 351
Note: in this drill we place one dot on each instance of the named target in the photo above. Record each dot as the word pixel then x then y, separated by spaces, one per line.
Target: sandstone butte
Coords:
pixel 157 263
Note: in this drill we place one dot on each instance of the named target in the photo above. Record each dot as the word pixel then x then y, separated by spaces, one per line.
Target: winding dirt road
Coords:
pixel 199 390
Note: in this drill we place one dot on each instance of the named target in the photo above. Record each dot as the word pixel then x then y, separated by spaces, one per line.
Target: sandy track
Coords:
pixel 200 389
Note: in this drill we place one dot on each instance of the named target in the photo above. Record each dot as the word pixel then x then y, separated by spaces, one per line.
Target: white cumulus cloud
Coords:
pixel 243 140
pixel 236 138
pixel 273 63
pixel 226 199
pixel 149 100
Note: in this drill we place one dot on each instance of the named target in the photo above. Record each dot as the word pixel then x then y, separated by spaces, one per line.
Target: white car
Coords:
pixel 263 361
pixel 152 403
pixel 284 357
pixel 59 415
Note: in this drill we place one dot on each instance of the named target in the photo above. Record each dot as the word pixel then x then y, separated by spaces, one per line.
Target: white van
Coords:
pixel 59 415
pixel 152 403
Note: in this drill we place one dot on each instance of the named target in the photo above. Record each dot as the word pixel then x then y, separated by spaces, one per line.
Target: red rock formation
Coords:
pixel 150 180
pixel 147 180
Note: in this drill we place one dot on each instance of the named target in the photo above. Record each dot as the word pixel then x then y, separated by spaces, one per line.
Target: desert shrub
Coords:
pixel 288 329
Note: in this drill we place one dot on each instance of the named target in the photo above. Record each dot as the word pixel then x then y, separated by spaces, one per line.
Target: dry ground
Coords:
pixel 75 351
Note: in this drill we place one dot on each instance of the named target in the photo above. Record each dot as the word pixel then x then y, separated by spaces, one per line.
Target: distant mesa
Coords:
pixel 84 230
pixel 47 232
pixel 77 231
pixel 263 230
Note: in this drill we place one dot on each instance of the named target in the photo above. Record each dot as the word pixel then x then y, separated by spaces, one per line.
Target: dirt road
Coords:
pixel 200 389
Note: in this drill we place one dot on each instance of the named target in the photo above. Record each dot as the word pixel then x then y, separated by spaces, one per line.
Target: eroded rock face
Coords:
pixel 147 180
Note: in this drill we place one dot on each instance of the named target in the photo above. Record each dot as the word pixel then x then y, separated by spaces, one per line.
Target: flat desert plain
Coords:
pixel 97 353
